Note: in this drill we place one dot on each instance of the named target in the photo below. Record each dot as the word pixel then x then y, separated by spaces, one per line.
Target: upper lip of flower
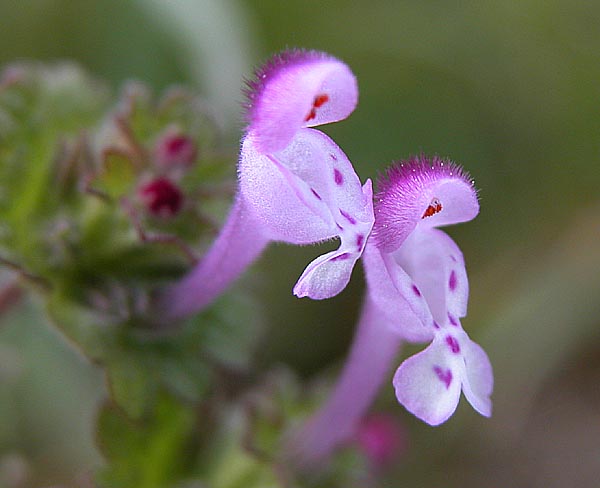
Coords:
pixel 297 89
pixel 421 191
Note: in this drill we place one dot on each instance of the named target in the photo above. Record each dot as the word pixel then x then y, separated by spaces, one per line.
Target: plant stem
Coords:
pixel 372 352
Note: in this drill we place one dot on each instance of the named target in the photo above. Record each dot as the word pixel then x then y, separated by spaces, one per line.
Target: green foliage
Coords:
pixel 75 225
pixel 42 112
pixel 152 453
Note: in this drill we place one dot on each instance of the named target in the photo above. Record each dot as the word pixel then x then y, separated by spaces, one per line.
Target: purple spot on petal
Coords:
pixel 436 325
pixel 348 217
pixel 452 344
pixel 445 376
pixel 339 226
pixel 416 290
pixel 453 258
pixel 360 239
pixel 338 177
pixel 341 257
pixel 452 320
pixel 452 282
pixel 333 156
pixel 315 193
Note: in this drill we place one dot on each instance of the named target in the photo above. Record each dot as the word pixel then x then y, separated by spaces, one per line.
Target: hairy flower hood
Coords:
pixel 295 89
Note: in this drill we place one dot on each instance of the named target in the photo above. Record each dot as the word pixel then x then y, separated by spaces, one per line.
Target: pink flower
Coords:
pixel 417 291
pixel 295 184
pixel 418 274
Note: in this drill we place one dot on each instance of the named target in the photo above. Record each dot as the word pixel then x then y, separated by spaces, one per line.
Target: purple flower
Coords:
pixel 420 269
pixel 417 291
pixel 295 183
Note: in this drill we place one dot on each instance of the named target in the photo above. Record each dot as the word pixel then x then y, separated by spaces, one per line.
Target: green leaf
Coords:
pixel 85 328
pixel 118 175
pixel 232 329
pixel 229 464
pixel 132 386
pixel 153 453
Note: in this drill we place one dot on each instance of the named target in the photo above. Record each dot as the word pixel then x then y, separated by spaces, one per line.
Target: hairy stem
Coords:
pixel 373 350
pixel 236 247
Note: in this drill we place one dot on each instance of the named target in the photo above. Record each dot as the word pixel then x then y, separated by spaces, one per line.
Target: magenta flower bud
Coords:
pixel 382 438
pixel 161 197
pixel 175 149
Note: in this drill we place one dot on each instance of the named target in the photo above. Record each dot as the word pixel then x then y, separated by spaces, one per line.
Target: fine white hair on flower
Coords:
pixel 421 191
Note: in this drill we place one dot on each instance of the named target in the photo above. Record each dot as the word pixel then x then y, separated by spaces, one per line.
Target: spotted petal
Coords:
pixel 436 264
pixel 396 296
pixel 302 193
pixel 428 384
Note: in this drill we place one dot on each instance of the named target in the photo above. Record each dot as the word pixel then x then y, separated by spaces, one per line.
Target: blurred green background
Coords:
pixel 507 89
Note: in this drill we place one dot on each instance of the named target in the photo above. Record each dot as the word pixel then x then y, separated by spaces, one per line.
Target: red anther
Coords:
pixel 434 207
pixel 319 101
pixel 312 114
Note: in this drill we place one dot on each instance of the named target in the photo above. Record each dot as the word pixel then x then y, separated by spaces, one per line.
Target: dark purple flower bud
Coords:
pixel 161 197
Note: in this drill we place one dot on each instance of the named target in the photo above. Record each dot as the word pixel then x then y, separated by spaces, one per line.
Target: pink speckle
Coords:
pixel 452 320
pixel 348 217
pixel 338 177
pixel 416 290
pixel 314 192
pixel 453 344
pixel 452 281
pixel 444 375
pixel 341 257
pixel 360 239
